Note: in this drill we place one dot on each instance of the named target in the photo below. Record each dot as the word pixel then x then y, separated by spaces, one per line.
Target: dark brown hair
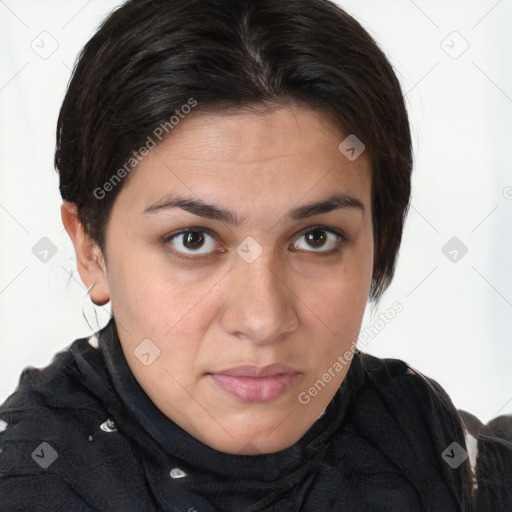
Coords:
pixel 151 57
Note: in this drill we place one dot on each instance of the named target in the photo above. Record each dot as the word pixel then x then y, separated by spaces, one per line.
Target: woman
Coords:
pixel 235 177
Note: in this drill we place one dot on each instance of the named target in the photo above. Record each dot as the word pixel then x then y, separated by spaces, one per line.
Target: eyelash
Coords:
pixel 334 231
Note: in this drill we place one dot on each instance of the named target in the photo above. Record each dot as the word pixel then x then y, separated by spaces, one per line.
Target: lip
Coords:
pixel 256 384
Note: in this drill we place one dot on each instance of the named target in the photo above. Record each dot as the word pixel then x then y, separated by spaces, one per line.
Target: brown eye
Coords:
pixel 316 238
pixel 191 242
pixel 321 240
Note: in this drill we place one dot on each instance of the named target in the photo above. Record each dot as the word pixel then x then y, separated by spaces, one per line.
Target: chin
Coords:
pixel 249 446
pixel 256 441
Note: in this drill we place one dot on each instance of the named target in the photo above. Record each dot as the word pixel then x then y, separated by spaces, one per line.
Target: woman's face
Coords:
pixel 263 277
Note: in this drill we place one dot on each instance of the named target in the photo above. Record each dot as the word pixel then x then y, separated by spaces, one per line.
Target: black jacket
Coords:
pixel 81 434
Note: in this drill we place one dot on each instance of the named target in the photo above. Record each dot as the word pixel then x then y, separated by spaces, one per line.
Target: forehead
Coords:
pixel 255 134
pixel 291 151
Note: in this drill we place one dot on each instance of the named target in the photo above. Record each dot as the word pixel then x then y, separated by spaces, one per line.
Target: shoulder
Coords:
pixel 49 398
pixel 51 441
pixel 491 460
pixel 414 424
pixel 394 380
pixel 417 404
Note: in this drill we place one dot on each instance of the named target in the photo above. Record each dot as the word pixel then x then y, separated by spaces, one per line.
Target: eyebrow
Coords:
pixel 202 209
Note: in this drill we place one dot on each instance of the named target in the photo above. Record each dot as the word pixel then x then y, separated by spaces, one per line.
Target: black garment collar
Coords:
pixel 163 442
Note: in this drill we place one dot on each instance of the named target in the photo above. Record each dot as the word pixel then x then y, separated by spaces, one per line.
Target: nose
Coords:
pixel 260 303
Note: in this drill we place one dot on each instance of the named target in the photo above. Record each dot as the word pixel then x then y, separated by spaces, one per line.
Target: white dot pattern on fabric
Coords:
pixel 177 473
pixel 93 341
pixel 109 426
pixel 3 425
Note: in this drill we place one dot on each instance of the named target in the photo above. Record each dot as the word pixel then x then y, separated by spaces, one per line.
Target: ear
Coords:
pixel 89 258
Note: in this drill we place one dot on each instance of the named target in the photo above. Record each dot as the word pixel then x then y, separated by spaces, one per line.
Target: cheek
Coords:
pixel 338 303
pixel 148 305
pixel 150 301
pixel 339 294
pixel 338 309
pixel 138 293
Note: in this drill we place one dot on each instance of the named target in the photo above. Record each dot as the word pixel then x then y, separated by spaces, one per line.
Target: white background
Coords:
pixel 457 316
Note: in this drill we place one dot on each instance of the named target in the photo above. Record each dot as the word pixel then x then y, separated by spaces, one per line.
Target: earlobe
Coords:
pixel 89 258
